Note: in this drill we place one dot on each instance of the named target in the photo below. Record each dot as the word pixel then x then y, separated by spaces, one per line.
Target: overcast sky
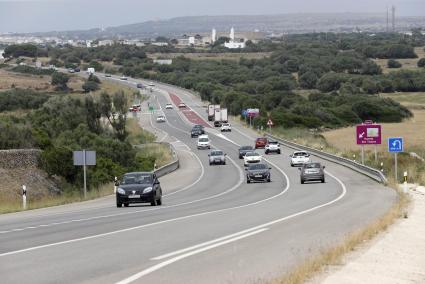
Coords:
pixel 48 15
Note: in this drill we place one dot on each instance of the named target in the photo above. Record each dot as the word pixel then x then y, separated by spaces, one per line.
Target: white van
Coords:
pixel 204 142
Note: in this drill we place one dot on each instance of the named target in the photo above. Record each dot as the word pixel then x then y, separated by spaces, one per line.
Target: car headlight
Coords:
pixel 147 190
pixel 120 190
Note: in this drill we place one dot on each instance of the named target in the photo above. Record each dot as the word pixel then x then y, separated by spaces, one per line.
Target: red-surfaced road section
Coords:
pixel 192 116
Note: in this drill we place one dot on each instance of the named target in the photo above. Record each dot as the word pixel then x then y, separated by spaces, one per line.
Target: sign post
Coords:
pixel 270 124
pixel 84 158
pixel 395 145
pixel 368 134
pixel 252 113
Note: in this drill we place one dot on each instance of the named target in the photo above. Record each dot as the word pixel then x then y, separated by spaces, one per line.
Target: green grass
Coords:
pixel 66 198
pixel 137 135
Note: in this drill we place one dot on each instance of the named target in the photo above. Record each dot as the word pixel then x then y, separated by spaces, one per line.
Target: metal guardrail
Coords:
pixel 374 174
pixel 168 168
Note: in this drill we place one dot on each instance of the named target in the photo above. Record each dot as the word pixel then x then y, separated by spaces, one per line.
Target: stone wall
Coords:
pixel 21 158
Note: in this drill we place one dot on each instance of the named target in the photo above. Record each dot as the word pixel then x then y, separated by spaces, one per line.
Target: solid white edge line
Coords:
pixel 180 257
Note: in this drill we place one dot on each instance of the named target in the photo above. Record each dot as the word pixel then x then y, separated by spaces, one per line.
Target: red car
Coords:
pixel 261 143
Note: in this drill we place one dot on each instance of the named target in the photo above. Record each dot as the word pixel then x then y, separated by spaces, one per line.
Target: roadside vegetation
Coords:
pixel 61 120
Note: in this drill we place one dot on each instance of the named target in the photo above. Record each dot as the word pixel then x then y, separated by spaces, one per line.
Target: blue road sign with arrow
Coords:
pixel 395 145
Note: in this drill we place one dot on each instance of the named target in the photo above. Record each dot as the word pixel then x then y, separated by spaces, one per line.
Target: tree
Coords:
pixel 17 50
pixel 421 62
pixel 308 80
pixel 117 115
pixel 393 63
pixel 60 80
pixel 93 78
pixel 90 86
pixel 371 68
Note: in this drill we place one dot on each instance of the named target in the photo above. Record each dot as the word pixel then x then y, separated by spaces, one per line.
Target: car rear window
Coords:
pixel 250 154
pixel 300 154
pixel 217 153
pixel 257 167
pixel 312 166
pixel 247 148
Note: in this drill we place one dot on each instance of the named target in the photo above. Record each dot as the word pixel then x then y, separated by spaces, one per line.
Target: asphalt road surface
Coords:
pixel 213 227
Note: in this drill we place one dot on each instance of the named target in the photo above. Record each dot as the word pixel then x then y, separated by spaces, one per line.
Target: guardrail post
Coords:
pixel 115 184
pixel 24 197
pixel 405 183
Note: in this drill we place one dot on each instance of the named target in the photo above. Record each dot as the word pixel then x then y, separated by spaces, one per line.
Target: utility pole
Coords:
pixel 393 17
pixel 388 20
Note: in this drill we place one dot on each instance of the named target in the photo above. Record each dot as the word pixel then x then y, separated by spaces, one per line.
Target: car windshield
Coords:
pixel 312 166
pixel 273 143
pixel 257 167
pixel 137 179
pixel 252 154
pixel 203 139
pixel 300 154
pixel 217 153
pixel 261 140
pixel 247 148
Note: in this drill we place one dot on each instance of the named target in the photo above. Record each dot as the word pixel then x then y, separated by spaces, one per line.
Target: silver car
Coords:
pixel 217 157
pixel 312 172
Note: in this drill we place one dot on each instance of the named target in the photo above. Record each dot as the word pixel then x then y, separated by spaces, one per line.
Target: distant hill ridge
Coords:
pixel 282 23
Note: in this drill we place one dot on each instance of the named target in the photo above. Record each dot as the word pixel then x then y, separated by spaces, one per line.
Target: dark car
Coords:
pixel 139 85
pixel 77 69
pixel 258 172
pixel 245 149
pixel 261 143
pixel 312 172
pixel 139 187
pixel 197 130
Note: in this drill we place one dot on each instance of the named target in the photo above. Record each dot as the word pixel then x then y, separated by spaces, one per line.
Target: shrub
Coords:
pixel 393 63
pixel 421 62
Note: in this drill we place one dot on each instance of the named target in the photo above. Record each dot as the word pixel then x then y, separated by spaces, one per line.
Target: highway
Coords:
pixel 213 227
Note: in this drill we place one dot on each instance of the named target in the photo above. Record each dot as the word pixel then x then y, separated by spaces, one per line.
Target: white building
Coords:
pixel 105 42
pixel 163 61
pixel 234 44
pixel 160 43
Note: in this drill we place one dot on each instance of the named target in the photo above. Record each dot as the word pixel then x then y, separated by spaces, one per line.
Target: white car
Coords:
pixel 251 158
pixel 182 105
pixel 299 158
pixel 151 84
pixel 272 146
pixel 168 106
pixel 226 127
pixel 160 118
pixel 204 142
pixel 123 78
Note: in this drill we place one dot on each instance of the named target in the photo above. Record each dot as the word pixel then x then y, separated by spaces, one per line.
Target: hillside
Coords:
pixel 282 23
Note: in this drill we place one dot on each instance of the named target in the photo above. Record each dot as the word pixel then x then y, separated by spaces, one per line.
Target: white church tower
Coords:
pixel 232 34
pixel 213 35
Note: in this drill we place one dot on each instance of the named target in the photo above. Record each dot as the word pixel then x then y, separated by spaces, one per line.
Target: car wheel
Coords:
pixel 119 205
pixel 269 180
pixel 292 164
pixel 126 204
pixel 248 181
pixel 323 180
pixel 278 152
pixel 240 157
pixel 154 202
pixel 266 152
pixel 302 181
pixel 159 202
pixel 224 162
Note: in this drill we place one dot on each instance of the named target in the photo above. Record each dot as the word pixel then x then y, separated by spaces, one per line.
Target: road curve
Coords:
pixel 214 229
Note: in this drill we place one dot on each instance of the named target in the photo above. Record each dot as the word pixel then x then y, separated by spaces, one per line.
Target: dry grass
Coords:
pixel 415 100
pixel 161 152
pixel 412 129
pixel 212 56
pixel 24 81
pixel 334 256
pixel 49 201
pixel 410 63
